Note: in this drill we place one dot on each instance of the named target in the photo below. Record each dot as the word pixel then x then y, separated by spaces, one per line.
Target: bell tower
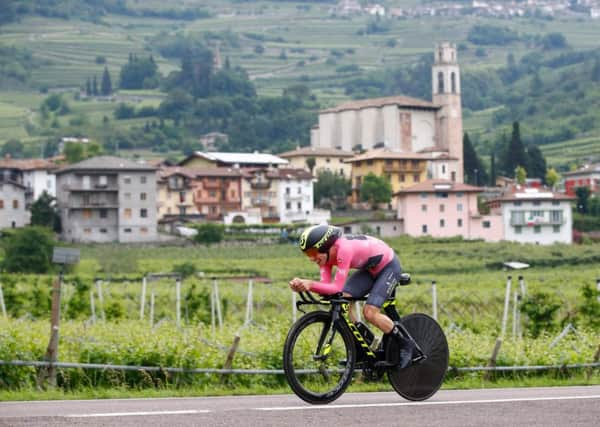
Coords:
pixel 445 88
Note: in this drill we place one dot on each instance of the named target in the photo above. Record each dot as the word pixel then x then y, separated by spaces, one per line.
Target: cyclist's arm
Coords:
pixel 328 287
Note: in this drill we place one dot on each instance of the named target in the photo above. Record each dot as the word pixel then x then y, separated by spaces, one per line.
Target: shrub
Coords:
pixel 209 233
pixel 28 250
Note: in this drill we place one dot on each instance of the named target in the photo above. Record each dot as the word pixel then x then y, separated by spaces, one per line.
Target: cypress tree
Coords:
pixel 515 155
pixel 536 164
pixel 88 87
pixel 94 86
pixel 493 170
pixel 106 85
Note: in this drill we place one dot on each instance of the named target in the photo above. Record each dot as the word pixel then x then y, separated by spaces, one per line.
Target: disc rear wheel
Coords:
pixel 423 379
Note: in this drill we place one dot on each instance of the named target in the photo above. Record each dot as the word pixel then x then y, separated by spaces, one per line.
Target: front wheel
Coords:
pixel 318 358
pixel 423 379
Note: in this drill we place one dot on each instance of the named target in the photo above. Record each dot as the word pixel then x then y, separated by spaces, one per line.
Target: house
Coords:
pixel 443 208
pixel 211 140
pixel 587 176
pixel 400 123
pixel 535 215
pixel 107 199
pixel 242 160
pixel 175 195
pixel 217 191
pixel 385 228
pixel 402 170
pixel 330 159
pixel 37 175
pixel 281 195
pixel 13 211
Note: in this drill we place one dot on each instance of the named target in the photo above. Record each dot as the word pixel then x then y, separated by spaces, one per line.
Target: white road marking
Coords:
pixel 138 414
pixel 447 402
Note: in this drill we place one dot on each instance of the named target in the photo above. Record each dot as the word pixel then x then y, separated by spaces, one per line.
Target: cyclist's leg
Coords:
pixel 357 285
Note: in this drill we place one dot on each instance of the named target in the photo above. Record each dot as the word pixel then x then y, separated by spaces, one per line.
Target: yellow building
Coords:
pixel 401 169
pixel 330 159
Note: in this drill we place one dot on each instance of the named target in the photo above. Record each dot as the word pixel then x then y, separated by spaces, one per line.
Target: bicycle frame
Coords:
pixel 340 312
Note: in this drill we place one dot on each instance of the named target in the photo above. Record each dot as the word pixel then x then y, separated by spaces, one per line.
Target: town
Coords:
pixel 415 145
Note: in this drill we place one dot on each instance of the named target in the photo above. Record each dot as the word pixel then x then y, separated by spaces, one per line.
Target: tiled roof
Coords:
pixel 106 163
pixel 400 101
pixel 279 173
pixel 27 164
pixel 192 173
pixel 316 151
pixel 586 170
pixel 529 194
pixel 386 154
pixel 440 185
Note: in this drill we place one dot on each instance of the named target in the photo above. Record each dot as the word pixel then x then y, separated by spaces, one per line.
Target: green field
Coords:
pixel 470 281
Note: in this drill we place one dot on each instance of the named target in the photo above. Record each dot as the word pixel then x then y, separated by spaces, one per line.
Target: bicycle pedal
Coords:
pixel 385 364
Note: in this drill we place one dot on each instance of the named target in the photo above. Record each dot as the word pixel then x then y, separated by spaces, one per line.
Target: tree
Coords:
pixel 473 166
pixel 514 154
pixel 94 86
pixel 106 84
pixel 333 187
pixel 139 74
pixel 596 70
pixel 375 190
pixel 13 147
pixel 583 196
pixel 521 175
pixel 28 250
pixel 88 87
pixel 536 163
pixel 310 163
pixel 209 233
pixel 493 170
pixel 552 178
pixel 73 152
pixel 44 212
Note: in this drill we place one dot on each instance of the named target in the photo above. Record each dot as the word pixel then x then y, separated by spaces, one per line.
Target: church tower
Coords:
pixel 446 93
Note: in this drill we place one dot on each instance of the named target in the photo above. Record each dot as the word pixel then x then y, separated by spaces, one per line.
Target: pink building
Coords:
pixel 443 208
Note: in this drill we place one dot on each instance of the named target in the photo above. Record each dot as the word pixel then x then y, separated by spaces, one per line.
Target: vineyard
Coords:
pixel 120 307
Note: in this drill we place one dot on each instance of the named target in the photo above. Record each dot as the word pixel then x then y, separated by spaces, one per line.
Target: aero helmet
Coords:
pixel 319 237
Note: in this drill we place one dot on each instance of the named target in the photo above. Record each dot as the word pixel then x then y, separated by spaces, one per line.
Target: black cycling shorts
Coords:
pixel 379 288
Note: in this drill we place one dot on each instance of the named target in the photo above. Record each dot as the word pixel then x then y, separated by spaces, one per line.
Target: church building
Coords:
pixel 401 124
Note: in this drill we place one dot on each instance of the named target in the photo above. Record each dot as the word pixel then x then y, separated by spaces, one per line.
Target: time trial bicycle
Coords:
pixel 325 347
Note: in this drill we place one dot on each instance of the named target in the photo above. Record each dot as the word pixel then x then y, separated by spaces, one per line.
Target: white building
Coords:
pixel 37 175
pixel 403 124
pixel 533 215
pixel 12 205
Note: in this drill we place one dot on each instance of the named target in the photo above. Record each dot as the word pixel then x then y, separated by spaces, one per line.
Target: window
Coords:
pixel 453 176
pixel 424 228
pixel 143 213
pixel 287 191
pixel 126 179
pixel 127 196
pixel 87 230
pixel 517 203
pixel 459 207
pixel 288 205
pixel 87 213
pixel 15 204
pixel 102 180
pixel 556 217
pixel 142 196
pixel 103 230
pixel 459 194
pixel 299 190
pixel 537 229
pixel 440 82
pixel 486 224
pixel 181 196
pixel 127 213
pixel 518 229
pixel 103 213
pixel 144 230
pixel 536 203
pixel 441 195
pixel 416 177
pixel 459 222
pixel 1 204
pixel 402 177
pixel 442 223
pixel 453 82
pixel 212 193
pixel 517 217
pixel 555 202
pixel 423 208
pixel 442 208
pixel 143 179
pixel 127 230
pixel 556 228
pixel 423 195
pixel 299 206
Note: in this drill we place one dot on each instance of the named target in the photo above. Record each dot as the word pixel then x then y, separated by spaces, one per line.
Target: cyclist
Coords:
pixel 377 272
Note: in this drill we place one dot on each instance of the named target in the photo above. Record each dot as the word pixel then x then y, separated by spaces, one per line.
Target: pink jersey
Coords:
pixel 353 252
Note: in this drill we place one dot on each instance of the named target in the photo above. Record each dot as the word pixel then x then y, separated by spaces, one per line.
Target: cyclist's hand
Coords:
pixel 300 285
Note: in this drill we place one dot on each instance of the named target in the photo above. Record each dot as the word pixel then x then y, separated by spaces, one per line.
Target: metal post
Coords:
pixel 143 298
pixel 100 299
pixel 178 300
pixel 152 309
pixel 217 303
pixel 523 286
pixel 92 306
pixel 2 306
pixel 515 315
pixel 212 310
pixel 434 299
pixel 249 304
pixel 506 304
pixel 598 287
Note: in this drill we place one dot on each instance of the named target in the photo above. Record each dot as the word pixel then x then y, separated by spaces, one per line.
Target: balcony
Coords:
pixel 403 169
pixel 260 185
pixel 260 201
pixel 91 189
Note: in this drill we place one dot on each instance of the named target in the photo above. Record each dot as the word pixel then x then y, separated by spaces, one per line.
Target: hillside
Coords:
pixel 282 44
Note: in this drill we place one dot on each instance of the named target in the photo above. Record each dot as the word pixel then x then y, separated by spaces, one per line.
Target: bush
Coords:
pixel 28 250
pixel 209 233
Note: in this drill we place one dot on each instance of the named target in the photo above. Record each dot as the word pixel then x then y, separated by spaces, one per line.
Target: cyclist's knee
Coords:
pixel 370 311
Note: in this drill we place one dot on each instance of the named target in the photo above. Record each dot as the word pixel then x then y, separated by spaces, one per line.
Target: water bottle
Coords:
pixel 365 332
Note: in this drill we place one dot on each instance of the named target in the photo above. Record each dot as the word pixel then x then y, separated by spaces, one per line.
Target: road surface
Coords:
pixel 547 407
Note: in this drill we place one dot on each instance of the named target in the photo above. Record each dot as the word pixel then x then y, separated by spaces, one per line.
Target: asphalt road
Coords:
pixel 547 407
